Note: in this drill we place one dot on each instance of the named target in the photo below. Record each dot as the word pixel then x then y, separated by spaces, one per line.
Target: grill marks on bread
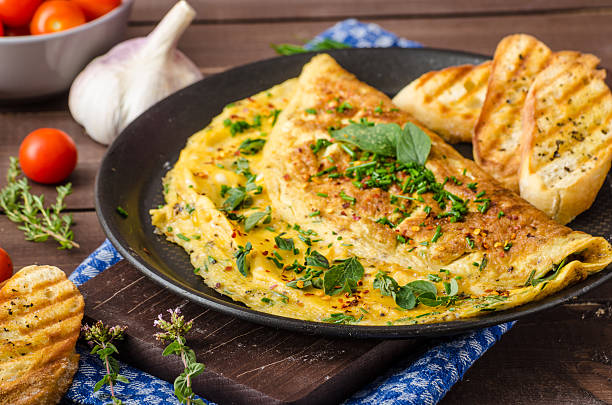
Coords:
pixel 517 61
pixel 447 101
pixel 567 136
pixel 40 321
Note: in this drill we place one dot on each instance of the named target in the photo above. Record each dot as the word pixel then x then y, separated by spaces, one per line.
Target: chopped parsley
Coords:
pixel 251 146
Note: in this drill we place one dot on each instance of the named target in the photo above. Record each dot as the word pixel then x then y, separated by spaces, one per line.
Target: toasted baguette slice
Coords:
pixel 518 59
pixel 40 321
pixel 567 137
pixel 447 101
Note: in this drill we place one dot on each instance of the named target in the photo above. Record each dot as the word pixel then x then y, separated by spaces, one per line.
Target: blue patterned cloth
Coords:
pixel 424 380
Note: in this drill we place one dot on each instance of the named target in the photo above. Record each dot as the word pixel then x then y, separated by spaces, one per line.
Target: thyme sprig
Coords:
pixel 175 331
pixel 101 336
pixel 37 222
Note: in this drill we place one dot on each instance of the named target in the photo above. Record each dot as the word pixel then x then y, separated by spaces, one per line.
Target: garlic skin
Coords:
pixel 117 87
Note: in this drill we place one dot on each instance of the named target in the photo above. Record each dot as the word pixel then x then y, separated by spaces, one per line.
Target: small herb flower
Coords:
pixel 175 331
pixel 101 337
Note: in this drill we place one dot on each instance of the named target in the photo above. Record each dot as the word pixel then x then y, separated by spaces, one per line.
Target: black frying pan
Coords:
pixel 131 173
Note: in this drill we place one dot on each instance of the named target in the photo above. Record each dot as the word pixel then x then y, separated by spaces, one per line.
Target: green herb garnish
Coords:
pixel 241 262
pixel 343 276
pixel 252 220
pixel 251 146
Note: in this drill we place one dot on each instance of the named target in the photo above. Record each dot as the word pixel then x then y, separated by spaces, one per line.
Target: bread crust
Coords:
pixel 564 182
pixel 40 321
pixel 447 101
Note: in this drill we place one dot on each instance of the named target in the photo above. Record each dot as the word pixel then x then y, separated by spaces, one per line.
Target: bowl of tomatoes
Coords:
pixel 44 44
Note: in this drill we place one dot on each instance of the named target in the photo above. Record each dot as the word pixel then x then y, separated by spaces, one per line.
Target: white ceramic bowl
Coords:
pixel 38 66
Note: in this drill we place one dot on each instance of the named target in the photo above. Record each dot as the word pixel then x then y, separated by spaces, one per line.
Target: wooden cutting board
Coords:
pixel 245 363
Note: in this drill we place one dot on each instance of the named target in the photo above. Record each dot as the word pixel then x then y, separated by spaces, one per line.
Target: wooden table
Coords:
pixel 561 356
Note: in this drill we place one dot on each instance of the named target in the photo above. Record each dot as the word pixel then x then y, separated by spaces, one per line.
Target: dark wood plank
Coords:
pixel 14 126
pixel 562 356
pixel 245 363
pixel 87 231
pixel 214 47
pixel 223 10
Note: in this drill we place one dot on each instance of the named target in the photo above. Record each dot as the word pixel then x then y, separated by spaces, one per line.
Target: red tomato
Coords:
pixel 96 8
pixel 47 155
pixel 17 12
pixel 16 31
pixel 1 29
pixel 6 266
pixel 56 15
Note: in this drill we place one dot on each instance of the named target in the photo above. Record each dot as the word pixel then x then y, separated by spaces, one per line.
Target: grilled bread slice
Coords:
pixel 518 59
pixel 567 137
pixel 447 101
pixel 40 321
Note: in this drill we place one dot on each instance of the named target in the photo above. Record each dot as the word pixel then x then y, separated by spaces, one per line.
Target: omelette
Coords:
pixel 319 200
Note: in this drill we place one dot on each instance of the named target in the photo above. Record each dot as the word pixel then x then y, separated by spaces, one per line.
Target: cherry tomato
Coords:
pixel 47 155
pixel 1 29
pixel 17 31
pixel 6 266
pixel 15 13
pixel 96 8
pixel 56 15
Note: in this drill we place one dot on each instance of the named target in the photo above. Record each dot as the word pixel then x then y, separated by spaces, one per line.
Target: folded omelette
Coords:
pixel 319 200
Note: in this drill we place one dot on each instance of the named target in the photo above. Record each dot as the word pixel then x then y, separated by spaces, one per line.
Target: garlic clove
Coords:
pixel 117 87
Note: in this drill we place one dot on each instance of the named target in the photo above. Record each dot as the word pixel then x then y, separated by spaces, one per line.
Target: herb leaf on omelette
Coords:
pixel 241 262
pixel 408 145
pixel 343 276
pixel 252 220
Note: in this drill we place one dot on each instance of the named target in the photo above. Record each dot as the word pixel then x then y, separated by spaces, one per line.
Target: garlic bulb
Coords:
pixel 117 87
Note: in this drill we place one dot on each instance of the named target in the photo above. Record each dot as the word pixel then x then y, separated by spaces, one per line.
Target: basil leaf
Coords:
pixel 316 259
pixel 405 298
pixel 452 289
pixel 241 262
pixel 413 145
pixel 429 301
pixel 380 139
pixel 284 244
pixel 387 285
pixel 253 219
pixel 420 287
pixel 343 277
pixel 236 196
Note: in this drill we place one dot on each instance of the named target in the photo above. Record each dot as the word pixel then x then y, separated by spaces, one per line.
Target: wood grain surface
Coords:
pixel 562 356
pixel 245 363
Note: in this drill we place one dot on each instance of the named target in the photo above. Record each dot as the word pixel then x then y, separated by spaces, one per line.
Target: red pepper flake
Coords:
pixel 286 177
pixel 265 253
pixel 366 291
pixel 429 227
pixel 340 300
pixel 218 285
pixel 234 234
pixel 346 205
pixel 228 268
pixel 502 254
pixel 343 213
pixel 300 304
pixel 308 294
pixel 356 217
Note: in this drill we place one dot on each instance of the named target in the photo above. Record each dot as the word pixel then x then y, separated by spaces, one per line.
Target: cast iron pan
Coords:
pixel 131 173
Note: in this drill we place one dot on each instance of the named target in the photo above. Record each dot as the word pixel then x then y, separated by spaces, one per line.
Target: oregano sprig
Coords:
pixel 101 336
pixel 175 331
pixel 37 222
